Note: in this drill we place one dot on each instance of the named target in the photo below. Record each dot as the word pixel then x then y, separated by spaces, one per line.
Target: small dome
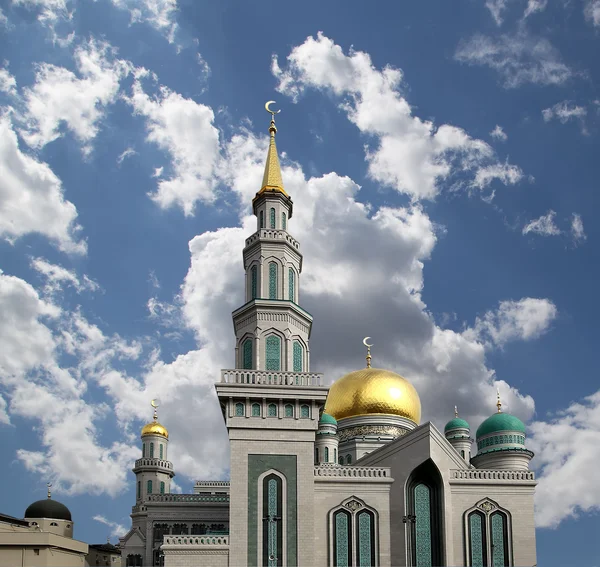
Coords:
pixel 155 428
pixel 373 391
pixel 327 419
pixel 456 423
pixel 500 422
pixel 48 508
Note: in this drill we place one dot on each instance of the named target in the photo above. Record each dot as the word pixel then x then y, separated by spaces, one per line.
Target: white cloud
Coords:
pixel 3 19
pixel 125 154
pixel 564 111
pixel 498 7
pixel 526 319
pixel 592 12
pixel 499 134
pixel 59 96
pixel 412 155
pixel 544 225
pixel 31 197
pixel 57 277
pixel 160 14
pixel 50 11
pixel 567 446
pixel 518 58
pixel 116 529
pixel 185 130
pixel 8 83
pixel 577 228
pixel 504 172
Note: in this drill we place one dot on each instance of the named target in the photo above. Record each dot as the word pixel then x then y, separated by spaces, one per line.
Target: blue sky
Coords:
pixel 442 158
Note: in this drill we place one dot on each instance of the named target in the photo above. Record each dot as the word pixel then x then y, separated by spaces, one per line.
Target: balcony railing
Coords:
pixel 192 498
pixel 272 234
pixel 353 472
pixel 268 378
pixel 154 463
pixel 474 474
pixel 196 540
pixel 213 483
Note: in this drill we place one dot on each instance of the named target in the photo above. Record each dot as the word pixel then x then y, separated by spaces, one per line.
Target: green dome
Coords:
pixel 456 423
pixel 500 422
pixel 327 419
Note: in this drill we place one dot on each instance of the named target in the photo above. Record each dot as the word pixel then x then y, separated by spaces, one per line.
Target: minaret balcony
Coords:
pixel 272 378
pixel 153 464
pixel 272 235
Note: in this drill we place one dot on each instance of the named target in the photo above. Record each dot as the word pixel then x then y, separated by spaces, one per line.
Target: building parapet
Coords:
pixel 269 378
pixel 272 234
pixel 193 498
pixel 475 474
pixel 145 462
pixel 196 540
pixel 353 472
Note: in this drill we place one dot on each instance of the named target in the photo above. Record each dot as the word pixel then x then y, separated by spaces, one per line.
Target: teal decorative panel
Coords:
pixel 272 215
pixel 326 459
pixel 255 410
pixel 289 410
pixel 364 540
pixel 152 450
pixel 476 539
pixel 149 487
pixel 162 487
pixel 498 536
pixel 160 451
pixel 304 412
pixel 254 278
pixel 272 280
pixel 273 352
pixel 272 410
pixel 342 542
pixel 423 525
pixel 272 524
pixel 239 409
pixel 247 354
pixel 291 276
pixel 298 356
pixel 283 221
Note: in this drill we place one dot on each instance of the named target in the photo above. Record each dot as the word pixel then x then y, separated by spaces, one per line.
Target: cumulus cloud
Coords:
pixel 48 11
pixel 518 58
pixel 57 277
pixel 499 134
pixel 160 14
pixel 544 225
pixel 577 231
pixel 412 155
pixel 8 83
pixel 31 197
pixel 564 112
pixel 116 529
pixel 592 12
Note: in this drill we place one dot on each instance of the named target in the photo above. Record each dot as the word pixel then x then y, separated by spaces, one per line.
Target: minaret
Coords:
pixel 270 401
pixel 458 433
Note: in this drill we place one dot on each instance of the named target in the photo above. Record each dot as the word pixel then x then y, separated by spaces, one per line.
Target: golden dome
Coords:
pixel 155 428
pixel 373 391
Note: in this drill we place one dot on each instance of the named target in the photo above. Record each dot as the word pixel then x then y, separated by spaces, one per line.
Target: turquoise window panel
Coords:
pixel 283 221
pixel 149 487
pixel 342 539
pixel 498 540
pixel 162 487
pixel 247 354
pixel 255 410
pixel 423 550
pixel 272 548
pixel 326 454
pixel 272 280
pixel 254 281
pixel 239 409
pixel 160 451
pixel 298 356
pixel 272 410
pixel 477 542
pixel 152 450
pixel 304 412
pixel 273 352
pixel 261 217
pixel 272 217
pixel 291 277
pixel 365 540
pixel 289 410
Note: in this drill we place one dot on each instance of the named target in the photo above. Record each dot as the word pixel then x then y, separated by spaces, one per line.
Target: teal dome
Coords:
pixel 327 419
pixel 500 422
pixel 456 423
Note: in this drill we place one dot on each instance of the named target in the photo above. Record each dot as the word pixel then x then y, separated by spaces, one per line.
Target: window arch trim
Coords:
pixel 259 518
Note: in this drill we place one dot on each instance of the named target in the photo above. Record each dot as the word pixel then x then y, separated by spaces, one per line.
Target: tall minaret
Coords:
pixel 271 329
pixel 270 401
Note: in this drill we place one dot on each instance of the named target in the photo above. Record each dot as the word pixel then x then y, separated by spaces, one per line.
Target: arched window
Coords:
pixel 289 410
pixel 423 525
pixel 160 530
pixel 254 281
pixel 198 529
pixel 149 487
pixel 272 514
pixel 162 487
pixel 261 217
pixel 255 410
pixel 53 524
pixel 304 411
pixel 477 542
pixel 291 276
pixel 365 528
pixel 152 450
pixel 348 459
pixel 247 354
pixel 143 450
pixel 326 454
pixel 298 356
pixel 272 215
pixel 272 280
pixel 498 532
pixel 139 489
pixel 341 460
pixel 462 454
pixel 335 455
pixel 272 410
pixel 160 450
pixel 283 221
pixel 239 409
pixel 133 561
pixel 273 352
pixel 342 539
pixel 316 455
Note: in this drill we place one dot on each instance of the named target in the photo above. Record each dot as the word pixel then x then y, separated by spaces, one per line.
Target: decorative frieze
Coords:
pixel 353 472
pixel 370 431
pixel 478 474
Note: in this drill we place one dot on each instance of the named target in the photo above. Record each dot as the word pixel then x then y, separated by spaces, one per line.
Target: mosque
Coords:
pixel 339 476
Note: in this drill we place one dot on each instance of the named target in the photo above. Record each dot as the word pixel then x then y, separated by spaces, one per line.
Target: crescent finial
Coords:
pixel 271 112
pixel 368 351
pixel 49 485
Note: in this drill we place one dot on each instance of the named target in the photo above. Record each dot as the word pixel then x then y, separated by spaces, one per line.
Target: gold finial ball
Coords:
pixel 373 391
pixel 154 427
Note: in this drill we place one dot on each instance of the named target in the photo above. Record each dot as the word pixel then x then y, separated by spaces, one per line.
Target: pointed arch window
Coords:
pixel 423 526
pixel 349 459
pixel 149 487
pixel 253 281
pixel 365 528
pixel 247 354
pixel 272 280
pixel 255 410
pixel 139 489
pixel 283 221
pixel 261 217
pixel 160 451
pixel 152 450
pixel 143 450
pixel 239 409
pixel 304 411
pixel 298 356
pixel 291 290
pixel 498 529
pixel 273 353
pixel 316 455
pixel 342 539
pixel 289 410
pixel 272 217
pixel 272 507
pixel 477 542
pixel 488 536
pixel 162 487
pixel 272 410
pixel 326 454
pixel 335 455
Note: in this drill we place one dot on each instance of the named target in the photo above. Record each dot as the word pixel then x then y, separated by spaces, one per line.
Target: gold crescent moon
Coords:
pixel 365 342
pixel 269 110
pixel 154 403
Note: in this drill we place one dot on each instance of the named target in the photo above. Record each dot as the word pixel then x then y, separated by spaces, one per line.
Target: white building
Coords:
pixel 339 476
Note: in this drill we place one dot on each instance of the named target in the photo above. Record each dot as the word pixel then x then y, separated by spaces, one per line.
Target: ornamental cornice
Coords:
pixel 370 431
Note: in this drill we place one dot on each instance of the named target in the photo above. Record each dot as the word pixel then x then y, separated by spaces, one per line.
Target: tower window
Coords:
pixel 254 280
pixel 462 454
pixel 289 410
pixel 272 215
pixel 261 217
pixel 335 455
pixel 291 285
pixel 239 409
pixel 149 487
pixel 283 221
pixel 247 354
pixel 162 487
pixel 304 411
pixel 349 459
pixel 255 410
pixel 273 352
pixel 152 450
pixel 316 455
pixel 326 454
pixel 160 450
pixel 298 355
pixel 272 280
pixel 139 489
pixel 272 410
pixel 143 450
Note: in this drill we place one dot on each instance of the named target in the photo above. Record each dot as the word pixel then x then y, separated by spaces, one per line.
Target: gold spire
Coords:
pixel 155 428
pixel 368 351
pixel 455 411
pixel 49 485
pixel 498 403
pixel 272 180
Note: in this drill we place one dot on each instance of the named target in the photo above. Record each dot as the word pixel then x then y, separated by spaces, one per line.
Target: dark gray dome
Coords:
pixel 48 509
